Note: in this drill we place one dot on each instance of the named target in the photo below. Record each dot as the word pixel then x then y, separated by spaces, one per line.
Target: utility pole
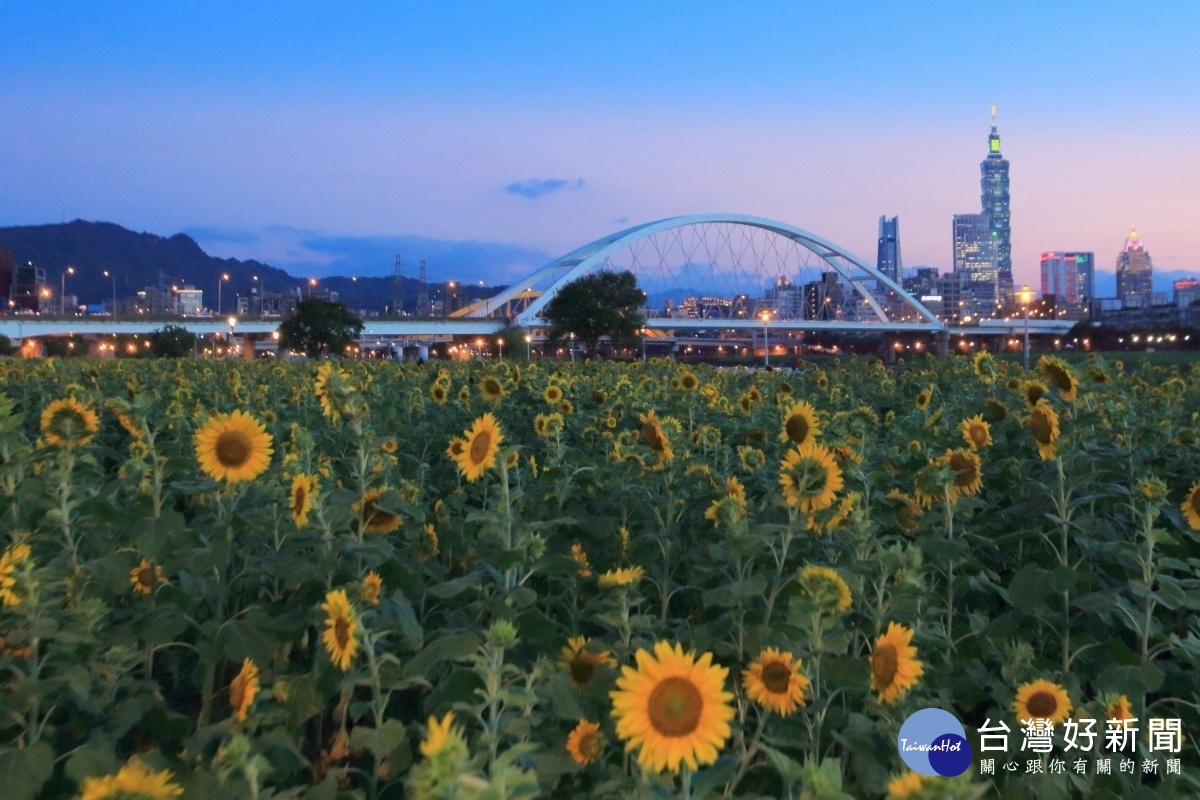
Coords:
pixel 397 291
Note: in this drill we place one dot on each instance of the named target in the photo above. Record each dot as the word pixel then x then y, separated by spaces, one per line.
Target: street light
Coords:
pixel 766 317
pixel 312 284
pixel 528 347
pixel 224 277
pixel 258 293
pixel 572 345
pixel 62 295
pixel 232 321
pixel 643 333
pixel 1025 297
pixel 114 280
pixel 500 343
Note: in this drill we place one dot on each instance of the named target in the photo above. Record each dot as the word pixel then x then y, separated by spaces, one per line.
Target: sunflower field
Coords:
pixel 518 580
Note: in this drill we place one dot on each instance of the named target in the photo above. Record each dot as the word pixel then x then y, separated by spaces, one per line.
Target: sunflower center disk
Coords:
pixel 583 667
pixel 146 576
pixel 1040 428
pixel 675 706
pixel 341 632
pixel 1042 704
pixel 480 446
pixel 776 677
pixel 797 428
pixel 652 438
pixel 964 470
pixel 884 665
pixel 233 449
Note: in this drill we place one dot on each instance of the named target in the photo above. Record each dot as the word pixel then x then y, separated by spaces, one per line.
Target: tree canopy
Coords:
pixel 320 327
pixel 172 341
pixel 602 304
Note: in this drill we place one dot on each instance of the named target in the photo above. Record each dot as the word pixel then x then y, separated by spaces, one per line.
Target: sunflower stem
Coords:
pixel 950 571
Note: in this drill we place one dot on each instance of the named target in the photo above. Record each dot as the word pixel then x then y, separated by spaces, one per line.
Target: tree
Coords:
pixel 172 341
pixel 318 327
pixel 6 346
pixel 604 303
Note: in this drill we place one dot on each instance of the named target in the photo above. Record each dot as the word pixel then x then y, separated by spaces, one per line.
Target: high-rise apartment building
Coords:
pixel 975 262
pixel 888 260
pixel 1134 272
pixel 994 198
pixel 1070 277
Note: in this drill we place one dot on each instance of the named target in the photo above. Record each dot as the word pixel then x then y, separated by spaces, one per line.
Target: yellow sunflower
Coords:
pixel 580 557
pixel 440 736
pixel 1033 391
pixel 372 585
pixel 810 477
pixel 134 779
pixel 966 471
pixel 14 556
pixel 1119 708
pixel 581 662
pixel 1041 699
pixel 994 410
pixel 69 423
pixel 145 576
pixel 775 682
pixel 906 786
pixel 341 628
pixel 233 447
pixel 894 666
pixel 243 689
pixel 464 394
pixel 653 436
pixel 301 498
pixel 976 432
pixel 621 577
pixel 547 425
pixel 372 518
pixel 1060 376
pixel 491 389
pixel 552 395
pixel 924 398
pixel 1191 507
pixel 905 509
pixel 1043 424
pixel 826 588
pixel 584 742
pixel 332 389
pixel 985 366
pixel 437 392
pixel 800 424
pixel 689 382
pixel 673 708
pixel 481 442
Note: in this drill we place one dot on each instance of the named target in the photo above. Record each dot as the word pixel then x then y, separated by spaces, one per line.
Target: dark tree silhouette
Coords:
pixel 320 327
pixel 602 304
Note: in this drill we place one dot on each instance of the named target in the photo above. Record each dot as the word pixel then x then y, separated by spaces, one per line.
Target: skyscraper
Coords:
pixel 993 172
pixel 1134 272
pixel 888 259
pixel 1070 277
pixel 975 262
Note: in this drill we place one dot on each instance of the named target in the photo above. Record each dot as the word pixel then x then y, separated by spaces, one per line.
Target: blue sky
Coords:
pixel 540 126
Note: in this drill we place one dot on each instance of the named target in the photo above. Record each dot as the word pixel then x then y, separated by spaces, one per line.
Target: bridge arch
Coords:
pixel 735 267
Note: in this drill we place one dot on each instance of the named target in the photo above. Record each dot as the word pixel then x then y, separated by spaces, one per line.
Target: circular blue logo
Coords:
pixel 933 742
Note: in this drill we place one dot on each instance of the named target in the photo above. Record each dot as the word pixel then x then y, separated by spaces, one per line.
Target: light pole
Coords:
pixel 224 277
pixel 766 317
pixel 1025 296
pixel 528 347
pixel 62 295
pixel 232 321
pixel 258 294
pixel 500 344
pixel 643 333
pixel 572 346
pixel 114 280
pixel 312 284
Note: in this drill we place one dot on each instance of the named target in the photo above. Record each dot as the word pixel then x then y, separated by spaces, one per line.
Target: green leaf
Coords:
pixel 25 770
pixel 1131 680
pixel 380 741
pixel 448 648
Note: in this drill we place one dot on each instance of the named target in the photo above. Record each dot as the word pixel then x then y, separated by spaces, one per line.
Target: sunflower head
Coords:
pixel 894 666
pixel 374 516
pixel 976 433
pixel 300 498
pixel 826 589
pixel 481 443
pixel 688 381
pixel 243 689
pixel 966 474
pixel 1191 507
pixel 341 628
pixel 905 509
pixel 135 779
pixel 438 393
pixel 552 395
pixel 1043 424
pixel 233 447
pixel 809 477
pixel 924 397
pixel 994 410
pixel 443 740
pixel 585 743
pixel 1060 376
pixel 654 437
pixel 907 786
pixel 69 423
pixel 985 366
pixel 583 662
pixel 145 577
pixel 548 425
pixel 1041 699
pixel 775 681
pixel 800 424
pixel 1033 391
pixel 491 388
pixel 673 708
pixel 621 577
pixel 372 585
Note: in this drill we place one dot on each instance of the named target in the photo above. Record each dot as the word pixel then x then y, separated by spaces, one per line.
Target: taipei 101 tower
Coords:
pixel 994 183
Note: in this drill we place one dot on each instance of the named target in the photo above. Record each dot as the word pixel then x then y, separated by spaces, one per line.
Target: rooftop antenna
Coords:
pixel 422 293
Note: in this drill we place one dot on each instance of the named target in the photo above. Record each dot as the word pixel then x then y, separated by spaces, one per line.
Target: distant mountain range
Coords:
pixel 141 260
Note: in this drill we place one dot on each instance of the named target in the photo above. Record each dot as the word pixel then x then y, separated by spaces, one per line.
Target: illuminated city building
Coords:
pixel 1134 272
pixel 1070 276
pixel 975 262
pixel 888 259
pixel 995 200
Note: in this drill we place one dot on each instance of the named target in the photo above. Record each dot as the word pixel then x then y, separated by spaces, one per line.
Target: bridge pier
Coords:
pixel 943 343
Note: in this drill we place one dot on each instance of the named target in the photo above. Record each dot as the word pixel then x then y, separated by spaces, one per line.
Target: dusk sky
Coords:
pixel 311 134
